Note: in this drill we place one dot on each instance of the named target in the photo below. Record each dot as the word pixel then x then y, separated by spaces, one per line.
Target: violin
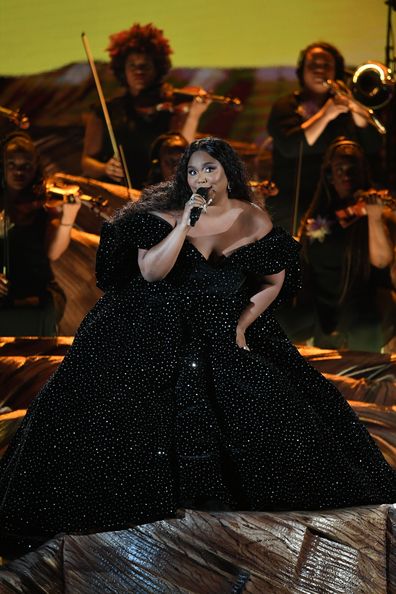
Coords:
pixel 16 117
pixel 52 194
pixel 348 215
pixel 177 100
pixel 58 193
pixel 265 188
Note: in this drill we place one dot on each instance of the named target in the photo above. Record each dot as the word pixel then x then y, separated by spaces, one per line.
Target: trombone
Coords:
pixel 372 87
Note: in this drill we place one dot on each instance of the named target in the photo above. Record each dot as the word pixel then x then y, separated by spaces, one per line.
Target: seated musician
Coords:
pixel 348 249
pixel 165 155
pixel 140 59
pixel 31 236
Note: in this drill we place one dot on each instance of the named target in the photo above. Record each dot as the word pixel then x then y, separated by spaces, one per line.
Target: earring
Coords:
pixel 229 187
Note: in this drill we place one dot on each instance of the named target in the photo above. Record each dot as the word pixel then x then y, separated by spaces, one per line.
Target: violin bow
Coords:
pixel 6 239
pixel 118 150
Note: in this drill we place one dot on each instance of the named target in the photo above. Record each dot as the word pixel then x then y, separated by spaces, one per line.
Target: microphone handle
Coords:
pixel 194 215
pixel 197 210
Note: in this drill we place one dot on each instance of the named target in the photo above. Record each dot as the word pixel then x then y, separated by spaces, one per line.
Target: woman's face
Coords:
pixel 319 66
pixel 347 175
pixel 203 170
pixel 20 170
pixel 140 72
pixel 169 157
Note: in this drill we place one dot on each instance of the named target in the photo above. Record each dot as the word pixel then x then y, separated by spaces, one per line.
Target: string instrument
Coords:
pixel 177 100
pixel 16 117
pixel 52 194
pixel 58 193
pixel 351 213
pixel 265 188
pixel 117 148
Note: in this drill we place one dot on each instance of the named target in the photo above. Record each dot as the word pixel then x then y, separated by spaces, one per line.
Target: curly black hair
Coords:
pixel 172 195
pixel 143 39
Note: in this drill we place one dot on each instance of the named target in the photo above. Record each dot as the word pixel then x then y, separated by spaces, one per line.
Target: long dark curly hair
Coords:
pixel 173 194
pixel 142 39
pixel 356 264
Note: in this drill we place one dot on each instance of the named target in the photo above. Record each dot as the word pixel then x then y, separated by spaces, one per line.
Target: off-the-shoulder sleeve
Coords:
pixel 273 253
pixel 116 259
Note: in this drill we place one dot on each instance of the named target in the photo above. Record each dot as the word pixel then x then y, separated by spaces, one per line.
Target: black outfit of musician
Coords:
pixel 284 125
pixel 155 406
pixel 30 276
pixel 362 319
pixel 135 131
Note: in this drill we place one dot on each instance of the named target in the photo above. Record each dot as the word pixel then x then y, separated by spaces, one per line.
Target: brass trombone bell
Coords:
pixel 372 85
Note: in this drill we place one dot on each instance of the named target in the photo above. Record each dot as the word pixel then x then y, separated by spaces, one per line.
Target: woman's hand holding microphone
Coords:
pixel 194 207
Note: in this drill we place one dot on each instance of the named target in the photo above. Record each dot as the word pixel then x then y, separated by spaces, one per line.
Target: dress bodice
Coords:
pixel 193 273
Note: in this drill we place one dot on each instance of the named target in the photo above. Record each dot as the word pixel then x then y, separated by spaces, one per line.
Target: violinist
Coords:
pixel 303 124
pixel 32 234
pixel 140 59
pixel 348 250
pixel 166 152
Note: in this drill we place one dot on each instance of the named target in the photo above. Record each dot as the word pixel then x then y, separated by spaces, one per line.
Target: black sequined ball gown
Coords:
pixel 155 407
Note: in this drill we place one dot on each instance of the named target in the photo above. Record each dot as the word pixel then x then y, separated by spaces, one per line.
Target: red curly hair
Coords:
pixel 144 39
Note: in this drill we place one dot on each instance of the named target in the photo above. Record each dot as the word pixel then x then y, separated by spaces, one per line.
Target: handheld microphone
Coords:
pixel 197 210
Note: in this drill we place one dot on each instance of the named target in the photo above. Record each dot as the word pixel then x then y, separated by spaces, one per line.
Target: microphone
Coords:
pixel 197 210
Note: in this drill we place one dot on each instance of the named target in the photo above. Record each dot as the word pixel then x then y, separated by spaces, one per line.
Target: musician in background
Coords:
pixel 140 59
pixel 31 236
pixel 348 248
pixel 304 123
pixel 166 152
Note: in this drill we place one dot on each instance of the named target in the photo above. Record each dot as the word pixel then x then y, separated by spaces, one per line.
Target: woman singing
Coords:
pixel 180 388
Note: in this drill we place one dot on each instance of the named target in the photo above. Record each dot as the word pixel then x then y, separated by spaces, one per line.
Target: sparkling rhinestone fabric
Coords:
pixel 156 407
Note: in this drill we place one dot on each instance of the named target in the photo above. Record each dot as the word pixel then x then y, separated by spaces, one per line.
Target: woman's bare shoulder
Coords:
pixel 168 216
pixel 256 218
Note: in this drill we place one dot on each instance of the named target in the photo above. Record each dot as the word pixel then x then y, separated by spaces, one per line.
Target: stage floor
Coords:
pixel 346 551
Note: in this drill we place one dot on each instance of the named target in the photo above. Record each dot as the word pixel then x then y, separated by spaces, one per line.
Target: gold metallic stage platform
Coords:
pixel 347 551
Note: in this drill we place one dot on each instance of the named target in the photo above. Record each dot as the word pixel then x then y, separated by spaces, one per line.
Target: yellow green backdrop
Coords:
pixel 41 35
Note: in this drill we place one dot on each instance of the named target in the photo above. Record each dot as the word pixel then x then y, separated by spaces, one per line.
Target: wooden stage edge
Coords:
pixel 335 551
